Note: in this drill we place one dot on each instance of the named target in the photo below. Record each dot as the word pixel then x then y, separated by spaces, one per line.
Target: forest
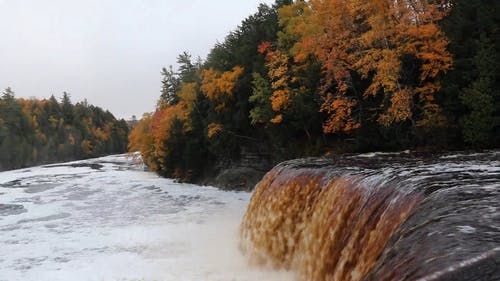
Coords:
pixel 322 77
pixel 44 131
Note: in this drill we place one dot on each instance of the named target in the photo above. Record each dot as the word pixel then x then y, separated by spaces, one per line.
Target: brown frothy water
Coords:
pixel 379 217
pixel 322 226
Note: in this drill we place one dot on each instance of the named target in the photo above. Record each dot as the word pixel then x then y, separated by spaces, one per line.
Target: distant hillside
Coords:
pixel 44 131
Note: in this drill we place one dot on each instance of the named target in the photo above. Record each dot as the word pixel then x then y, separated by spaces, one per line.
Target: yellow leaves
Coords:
pixel 280 100
pixel 435 59
pixel 218 87
pixel 429 44
pixel 400 108
pixel 228 80
pixel 385 65
pixel 141 129
pixel 187 95
pixel 210 83
pixel 279 74
pixel 215 84
pixel 370 38
pixel 214 129
pixel 292 20
pixel 433 116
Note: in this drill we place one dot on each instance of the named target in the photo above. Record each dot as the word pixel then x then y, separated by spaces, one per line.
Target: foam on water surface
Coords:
pixel 108 219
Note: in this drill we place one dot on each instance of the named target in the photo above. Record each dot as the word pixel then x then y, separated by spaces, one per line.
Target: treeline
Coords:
pixel 44 131
pixel 302 78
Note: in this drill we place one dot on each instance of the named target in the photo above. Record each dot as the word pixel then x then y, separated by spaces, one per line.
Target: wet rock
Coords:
pixel 238 178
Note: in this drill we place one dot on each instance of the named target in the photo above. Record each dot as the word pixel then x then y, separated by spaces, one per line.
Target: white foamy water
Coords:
pixel 114 221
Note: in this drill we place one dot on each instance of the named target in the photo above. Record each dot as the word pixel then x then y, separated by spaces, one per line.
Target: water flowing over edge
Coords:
pixel 378 217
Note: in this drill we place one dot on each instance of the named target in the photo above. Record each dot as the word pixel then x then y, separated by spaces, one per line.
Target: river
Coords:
pixel 376 216
pixel 108 219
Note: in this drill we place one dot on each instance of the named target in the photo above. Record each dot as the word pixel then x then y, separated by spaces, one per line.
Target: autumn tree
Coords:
pixel 218 87
pixel 36 131
pixel 285 97
pixel 140 139
pixel 239 48
pixel 299 78
pixel 372 39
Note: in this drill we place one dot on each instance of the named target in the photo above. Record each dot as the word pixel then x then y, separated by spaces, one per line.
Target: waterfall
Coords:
pixel 374 218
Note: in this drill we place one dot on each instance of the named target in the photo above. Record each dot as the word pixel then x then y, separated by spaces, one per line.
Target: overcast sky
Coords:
pixel 108 51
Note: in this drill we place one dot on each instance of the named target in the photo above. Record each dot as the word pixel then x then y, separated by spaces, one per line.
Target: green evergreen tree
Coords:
pixel 482 97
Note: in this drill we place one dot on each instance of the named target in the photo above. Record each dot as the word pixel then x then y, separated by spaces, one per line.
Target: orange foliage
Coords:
pixel 340 118
pixel 161 125
pixel 279 73
pixel 280 100
pixel 371 38
pixel 140 139
pixel 210 85
pixel 277 119
pixel 218 87
pixel 187 95
pixel 399 109
pixel 214 129
pixel 153 131
pixel 264 47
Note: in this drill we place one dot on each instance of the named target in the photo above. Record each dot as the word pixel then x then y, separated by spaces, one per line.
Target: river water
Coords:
pixel 376 216
pixel 380 217
pixel 108 219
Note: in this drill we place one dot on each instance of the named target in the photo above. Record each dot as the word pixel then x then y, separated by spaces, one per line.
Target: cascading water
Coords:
pixel 379 217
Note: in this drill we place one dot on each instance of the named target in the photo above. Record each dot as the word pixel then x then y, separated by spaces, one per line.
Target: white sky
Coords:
pixel 108 51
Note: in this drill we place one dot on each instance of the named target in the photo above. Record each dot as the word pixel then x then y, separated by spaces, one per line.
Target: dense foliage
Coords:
pixel 311 77
pixel 43 131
